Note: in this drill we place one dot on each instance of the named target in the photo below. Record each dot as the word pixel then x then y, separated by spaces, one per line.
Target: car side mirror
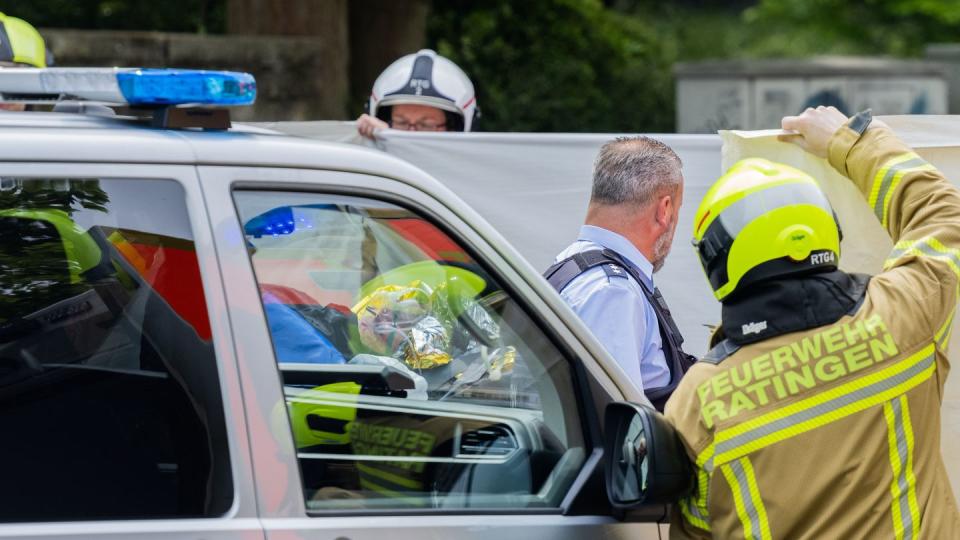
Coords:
pixel 645 460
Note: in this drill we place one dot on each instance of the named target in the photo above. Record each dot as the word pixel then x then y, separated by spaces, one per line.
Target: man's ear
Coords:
pixel 664 210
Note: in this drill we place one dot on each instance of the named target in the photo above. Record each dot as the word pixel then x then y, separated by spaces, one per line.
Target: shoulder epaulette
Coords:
pixel 615 270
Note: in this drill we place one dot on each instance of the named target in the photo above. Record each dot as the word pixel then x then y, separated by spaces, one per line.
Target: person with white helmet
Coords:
pixel 421 92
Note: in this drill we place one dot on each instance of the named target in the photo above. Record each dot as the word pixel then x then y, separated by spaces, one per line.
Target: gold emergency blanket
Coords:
pixel 424 327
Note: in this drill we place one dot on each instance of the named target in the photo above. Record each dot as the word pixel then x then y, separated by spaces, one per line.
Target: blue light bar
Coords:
pixel 183 86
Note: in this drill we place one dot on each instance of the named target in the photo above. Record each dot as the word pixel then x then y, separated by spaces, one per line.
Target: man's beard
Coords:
pixel 661 248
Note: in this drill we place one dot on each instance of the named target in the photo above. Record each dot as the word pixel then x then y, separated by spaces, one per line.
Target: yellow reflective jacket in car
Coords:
pixel 834 432
pixel 80 249
pixel 24 45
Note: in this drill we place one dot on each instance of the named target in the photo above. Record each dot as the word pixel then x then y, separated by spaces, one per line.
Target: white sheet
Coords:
pixel 534 189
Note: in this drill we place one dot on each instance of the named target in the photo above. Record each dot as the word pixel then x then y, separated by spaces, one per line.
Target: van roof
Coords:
pixel 67 137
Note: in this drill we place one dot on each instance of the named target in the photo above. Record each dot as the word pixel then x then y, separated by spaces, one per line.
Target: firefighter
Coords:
pixel 21 46
pixel 816 414
pixel 421 92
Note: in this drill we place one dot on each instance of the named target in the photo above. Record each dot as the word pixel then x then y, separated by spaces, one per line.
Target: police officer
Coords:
pixel 817 413
pixel 606 276
pixel 420 92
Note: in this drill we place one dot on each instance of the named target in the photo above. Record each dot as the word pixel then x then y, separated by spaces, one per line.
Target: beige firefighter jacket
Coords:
pixel 834 432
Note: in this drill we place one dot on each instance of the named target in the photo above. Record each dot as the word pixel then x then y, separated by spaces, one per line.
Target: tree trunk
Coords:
pixel 325 76
pixel 287 17
pixel 380 32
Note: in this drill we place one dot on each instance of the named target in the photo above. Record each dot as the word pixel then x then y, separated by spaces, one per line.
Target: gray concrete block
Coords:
pixel 767 90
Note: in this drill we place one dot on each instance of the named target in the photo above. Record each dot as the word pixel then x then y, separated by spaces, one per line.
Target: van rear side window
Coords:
pixel 109 398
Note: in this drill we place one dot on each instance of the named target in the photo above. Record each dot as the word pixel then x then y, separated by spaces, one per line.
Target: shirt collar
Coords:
pixel 619 244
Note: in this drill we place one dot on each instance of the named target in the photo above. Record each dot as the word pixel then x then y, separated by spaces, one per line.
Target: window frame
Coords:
pixel 583 395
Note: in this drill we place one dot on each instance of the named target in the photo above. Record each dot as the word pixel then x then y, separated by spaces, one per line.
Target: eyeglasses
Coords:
pixel 423 125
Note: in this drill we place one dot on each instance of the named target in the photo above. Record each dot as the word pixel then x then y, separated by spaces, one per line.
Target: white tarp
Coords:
pixel 534 188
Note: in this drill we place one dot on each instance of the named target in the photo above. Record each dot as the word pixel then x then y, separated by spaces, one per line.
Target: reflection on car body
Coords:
pixel 91 316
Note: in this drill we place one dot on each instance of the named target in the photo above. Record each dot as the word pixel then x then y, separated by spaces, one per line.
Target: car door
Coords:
pixel 399 377
pixel 119 395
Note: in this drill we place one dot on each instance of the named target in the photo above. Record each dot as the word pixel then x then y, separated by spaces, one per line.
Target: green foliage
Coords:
pixel 804 27
pixel 34 268
pixel 66 195
pixel 163 16
pixel 585 65
pixel 557 65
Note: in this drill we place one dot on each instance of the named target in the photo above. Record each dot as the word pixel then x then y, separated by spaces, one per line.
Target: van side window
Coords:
pixel 413 379
pixel 109 395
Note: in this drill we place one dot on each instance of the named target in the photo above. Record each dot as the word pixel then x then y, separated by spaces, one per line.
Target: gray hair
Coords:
pixel 634 170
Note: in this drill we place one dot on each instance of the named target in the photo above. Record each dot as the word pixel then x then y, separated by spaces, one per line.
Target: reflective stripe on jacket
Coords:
pixel 834 432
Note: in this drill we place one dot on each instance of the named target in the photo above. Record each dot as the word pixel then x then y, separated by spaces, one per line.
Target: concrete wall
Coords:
pixel 948 55
pixel 757 94
pixel 298 78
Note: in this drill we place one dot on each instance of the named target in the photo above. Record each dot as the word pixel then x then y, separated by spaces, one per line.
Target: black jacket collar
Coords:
pixel 777 307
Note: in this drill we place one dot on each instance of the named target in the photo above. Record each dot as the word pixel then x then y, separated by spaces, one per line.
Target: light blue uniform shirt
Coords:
pixel 616 310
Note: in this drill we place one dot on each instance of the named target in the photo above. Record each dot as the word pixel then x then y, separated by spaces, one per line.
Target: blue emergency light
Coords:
pixel 182 86
pixel 128 86
pixel 283 220
pixel 170 98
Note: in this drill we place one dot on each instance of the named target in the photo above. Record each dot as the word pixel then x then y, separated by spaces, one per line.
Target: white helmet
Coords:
pixel 426 78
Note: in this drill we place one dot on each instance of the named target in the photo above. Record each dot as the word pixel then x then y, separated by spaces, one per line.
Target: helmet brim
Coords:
pixel 402 99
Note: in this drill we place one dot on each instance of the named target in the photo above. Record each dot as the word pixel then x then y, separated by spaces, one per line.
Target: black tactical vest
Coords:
pixel 562 273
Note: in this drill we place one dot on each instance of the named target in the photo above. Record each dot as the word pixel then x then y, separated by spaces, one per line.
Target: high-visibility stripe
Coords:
pixel 927 246
pixel 911 476
pixel 751 477
pixel 888 178
pixel 738 500
pixel 746 499
pixel 882 174
pixel 903 488
pixel 692 514
pixel 896 508
pixel 824 408
pixel 705 458
pixel 694 508
pixel 746 210
pixel 942 336
pixel 884 217
pixel 932 248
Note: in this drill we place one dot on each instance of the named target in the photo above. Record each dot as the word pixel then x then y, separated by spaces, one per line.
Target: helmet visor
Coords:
pixel 754 205
pixel 430 101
